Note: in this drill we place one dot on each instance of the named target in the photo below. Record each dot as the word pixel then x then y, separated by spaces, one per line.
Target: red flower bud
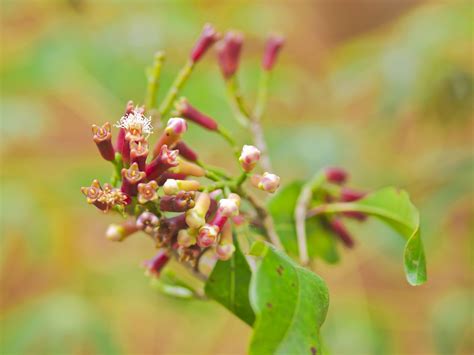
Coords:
pixel 350 195
pixel 336 175
pixel 157 263
pixel 228 53
pixel 175 128
pixel 186 110
pixel 139 153
pixel 103 139
pixel 273 46
pixel 165 160
pixel 131 177
pixel 118 232
pixel 340 230
pixel 186 152
pixel 205 41
pixel 183 201
pixel 121 140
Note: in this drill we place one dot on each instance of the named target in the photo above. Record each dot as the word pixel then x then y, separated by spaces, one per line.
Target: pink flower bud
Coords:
pixel 182 202
pixel 249 157
pixel 129 107
pixel 228 207
pixel 267 182
pixel 340 230
pixel 118 232
pixel 225 251
pixel 147 192
pixel 207 235
pixel 175 128
pixel 186 110
pixel 273 46
pixel 165 160
pixel 157 263
pixel 228 53
pixel 148 222
pixel 131 177
pixel 186 152
pixel 205 41
pixel 336 175
pixel 139 153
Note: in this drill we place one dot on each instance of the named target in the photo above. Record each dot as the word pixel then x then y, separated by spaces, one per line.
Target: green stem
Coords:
pixel 173 92
pixel 237 102
pixel 118 165
pixel 241 179
pixel 228 137
pixel 153 80
pixel 262 94
pixel 222 174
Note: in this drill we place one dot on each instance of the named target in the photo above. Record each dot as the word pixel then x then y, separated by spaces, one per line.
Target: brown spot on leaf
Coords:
pixel 313 350
pixel 269 305
pixel 280 270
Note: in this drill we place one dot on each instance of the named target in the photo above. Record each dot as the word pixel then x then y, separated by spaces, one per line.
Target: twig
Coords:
pixel 153 80
pixel 302 205
pixel 178 83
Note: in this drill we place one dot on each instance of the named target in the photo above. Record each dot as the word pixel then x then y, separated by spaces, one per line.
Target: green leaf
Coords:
pixel 228 284
pixel 320 241
pixel 290 303
pixel 394 207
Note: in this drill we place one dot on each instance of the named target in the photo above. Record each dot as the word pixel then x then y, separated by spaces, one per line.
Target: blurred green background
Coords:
pixel 384 88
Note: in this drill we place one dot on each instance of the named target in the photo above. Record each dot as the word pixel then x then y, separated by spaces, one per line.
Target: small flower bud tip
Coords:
pixel 273 47
pixel 185 109
pixel 207 235
pixel 249 157
pixel 205 41
pixel 336 175
pixel 228 53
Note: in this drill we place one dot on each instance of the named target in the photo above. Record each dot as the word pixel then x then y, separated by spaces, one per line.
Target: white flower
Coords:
pixel 136 123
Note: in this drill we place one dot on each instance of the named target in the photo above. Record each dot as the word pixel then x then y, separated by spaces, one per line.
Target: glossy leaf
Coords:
pixel 320 241
pixel 395 208
pixel 228 284
pixel 290 303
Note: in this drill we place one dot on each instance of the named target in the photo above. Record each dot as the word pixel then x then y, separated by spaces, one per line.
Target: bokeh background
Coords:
pixel 383 88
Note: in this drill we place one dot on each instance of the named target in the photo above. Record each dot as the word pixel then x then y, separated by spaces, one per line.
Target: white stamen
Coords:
pixel 136 121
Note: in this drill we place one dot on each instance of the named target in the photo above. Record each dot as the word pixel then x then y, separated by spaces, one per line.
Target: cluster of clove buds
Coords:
pixel 338 178
pixel 162 189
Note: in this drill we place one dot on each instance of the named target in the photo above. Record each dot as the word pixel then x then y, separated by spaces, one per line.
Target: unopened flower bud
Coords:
pixel 175 128
pixel 172 186
pixel 157 263
pixel 225 251
pixel 350 195
pixel 195 217
pixel 165 160
pixel 118 232
pixel 228 207
pixel 273 46
pixel 205 41
pixel 147 192
pixel 267 182
pixel 139 153
pixel 207 235
pixel 183 201
pixel 249 157
pixel 185 151
pixel 169 175
pixel 186 110
pixel 336 175
pixel 187 237
pixel 103 139
pixel 148 222
pixel 131 177
pixel 340 230
pixel 228 53
pixel 188 168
